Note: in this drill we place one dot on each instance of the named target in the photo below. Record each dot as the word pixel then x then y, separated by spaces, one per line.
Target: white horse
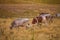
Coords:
pixel 47 18
pixel 20 22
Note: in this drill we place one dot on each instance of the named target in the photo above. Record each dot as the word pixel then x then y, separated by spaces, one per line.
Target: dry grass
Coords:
pixel 50 32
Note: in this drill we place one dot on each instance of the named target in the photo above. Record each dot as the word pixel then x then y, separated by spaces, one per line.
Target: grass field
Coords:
pixel 50 32
pixel 9 12
pixel 27 10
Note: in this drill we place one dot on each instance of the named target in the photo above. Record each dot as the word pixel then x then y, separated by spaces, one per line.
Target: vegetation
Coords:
pixel 50 32
pixel 35 32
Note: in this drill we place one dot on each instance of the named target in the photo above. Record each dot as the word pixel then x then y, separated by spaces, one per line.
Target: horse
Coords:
pixel 42 18
pixel 19 22
pixel 38 20
pixel 49 17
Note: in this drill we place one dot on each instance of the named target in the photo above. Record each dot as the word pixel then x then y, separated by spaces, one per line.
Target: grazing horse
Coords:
pixel 38 20
pixel 42 18
pixel 48 16
pixel 19 22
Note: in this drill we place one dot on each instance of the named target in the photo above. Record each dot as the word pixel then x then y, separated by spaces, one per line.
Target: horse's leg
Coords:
pixel 51 20
pixel 45 22
pixel 12 26
pixel 27 26
pixel 39 24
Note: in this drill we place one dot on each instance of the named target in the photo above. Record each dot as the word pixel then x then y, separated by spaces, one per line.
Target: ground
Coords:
pixel 50 32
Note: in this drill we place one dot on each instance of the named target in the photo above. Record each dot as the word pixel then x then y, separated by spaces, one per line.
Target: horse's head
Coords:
pixel 37 20
pixel 34 21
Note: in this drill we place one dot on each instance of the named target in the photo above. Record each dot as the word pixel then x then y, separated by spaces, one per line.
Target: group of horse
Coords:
pixel 42 18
